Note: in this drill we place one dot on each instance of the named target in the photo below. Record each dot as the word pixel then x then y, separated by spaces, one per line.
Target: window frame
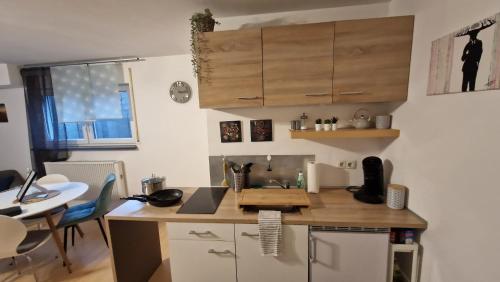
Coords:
pixel 90 142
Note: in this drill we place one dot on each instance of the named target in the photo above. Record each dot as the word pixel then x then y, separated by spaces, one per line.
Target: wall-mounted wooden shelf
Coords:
pixel 344 133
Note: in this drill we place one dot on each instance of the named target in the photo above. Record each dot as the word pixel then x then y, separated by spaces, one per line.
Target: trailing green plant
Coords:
pixel 334 120
pixel 200 22
pixel 327 121
pixel 318 121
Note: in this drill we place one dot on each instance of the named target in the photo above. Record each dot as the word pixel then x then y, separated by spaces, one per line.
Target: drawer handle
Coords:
pixel 352 93
pixel 225 252
pixel 249 98
pixel 318 95
pixel 192 232
pixel 249 234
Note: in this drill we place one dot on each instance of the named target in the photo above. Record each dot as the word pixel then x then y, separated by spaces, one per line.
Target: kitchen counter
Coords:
pixel 334 207
pixel 134 228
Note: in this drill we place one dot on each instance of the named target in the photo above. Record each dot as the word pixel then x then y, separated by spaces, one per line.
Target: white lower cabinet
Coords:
pixel 198 257
pixel 206 252
pixel 290 266
pixel 201 261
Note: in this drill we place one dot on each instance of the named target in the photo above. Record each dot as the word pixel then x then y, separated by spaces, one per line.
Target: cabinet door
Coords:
pixel 230 69
pixel 201 261
pixel 372 59
pixel 298 64
pixel 349 256
pixel 291 265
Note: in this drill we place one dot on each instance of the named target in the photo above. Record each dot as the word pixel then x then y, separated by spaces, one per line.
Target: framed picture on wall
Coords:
pixel 261 130
pixel 466 60
pixel 230 131
pixel 3 113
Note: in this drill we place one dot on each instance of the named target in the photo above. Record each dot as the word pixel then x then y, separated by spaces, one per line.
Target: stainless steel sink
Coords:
pixel 283 209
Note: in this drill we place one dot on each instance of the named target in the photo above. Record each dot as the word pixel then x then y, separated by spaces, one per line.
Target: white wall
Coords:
pixel 9 76
pixel 4 75
pixel 328 152
pixel 172 136
pixel 448 156
pixel 14 144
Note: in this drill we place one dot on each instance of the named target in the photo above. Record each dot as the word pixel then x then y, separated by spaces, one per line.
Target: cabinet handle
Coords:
pixel 250 98
pixel 249 234
pixel 312 249
pixel 352 93
pixel 318 95
pixel 192 232
pixel 225 252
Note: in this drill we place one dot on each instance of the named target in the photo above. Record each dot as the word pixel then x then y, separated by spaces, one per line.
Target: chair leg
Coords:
pixel 80 232
pixel 73 235
pixel 14 261
pixel 66 239
pixel 32 268
pixel 102 231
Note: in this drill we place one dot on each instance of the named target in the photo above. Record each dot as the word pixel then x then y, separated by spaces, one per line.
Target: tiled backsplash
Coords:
pixel 284 168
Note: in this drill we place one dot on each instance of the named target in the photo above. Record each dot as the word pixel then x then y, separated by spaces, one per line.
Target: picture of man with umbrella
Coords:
pixel 471 56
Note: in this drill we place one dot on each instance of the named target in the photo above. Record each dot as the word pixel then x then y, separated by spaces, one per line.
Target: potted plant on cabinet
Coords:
pixel 327 126
pixel 334 123
pixel 200 22
pixel 317 126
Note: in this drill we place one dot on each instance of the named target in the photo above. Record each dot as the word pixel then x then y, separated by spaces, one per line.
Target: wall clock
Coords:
pixel 180 92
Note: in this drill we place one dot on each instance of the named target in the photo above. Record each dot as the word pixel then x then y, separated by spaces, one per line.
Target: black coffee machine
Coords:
pixel 372 191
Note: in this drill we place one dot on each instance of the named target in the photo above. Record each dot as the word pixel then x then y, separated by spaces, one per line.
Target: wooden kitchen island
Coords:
pixel 134 231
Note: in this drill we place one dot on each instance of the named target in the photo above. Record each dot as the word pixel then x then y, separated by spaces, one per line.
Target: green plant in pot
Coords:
pixel 317 125
pixel 334 123
pixel 200 22
pixel 327 126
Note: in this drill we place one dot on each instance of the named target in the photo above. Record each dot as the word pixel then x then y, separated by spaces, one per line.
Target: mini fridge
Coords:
pixel 346 254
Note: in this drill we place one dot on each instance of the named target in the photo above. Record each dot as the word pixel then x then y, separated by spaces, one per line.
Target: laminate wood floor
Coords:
pixel 90 260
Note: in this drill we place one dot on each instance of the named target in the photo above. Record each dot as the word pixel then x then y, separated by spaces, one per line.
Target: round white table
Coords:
pixel 69 191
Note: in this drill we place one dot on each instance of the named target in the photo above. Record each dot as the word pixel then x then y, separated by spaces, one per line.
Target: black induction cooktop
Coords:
pixel 205 200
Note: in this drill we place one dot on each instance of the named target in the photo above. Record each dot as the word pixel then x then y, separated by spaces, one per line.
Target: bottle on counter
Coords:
pixel 300 180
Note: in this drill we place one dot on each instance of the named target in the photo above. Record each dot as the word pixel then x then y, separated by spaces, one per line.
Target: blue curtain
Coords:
pixel 48 141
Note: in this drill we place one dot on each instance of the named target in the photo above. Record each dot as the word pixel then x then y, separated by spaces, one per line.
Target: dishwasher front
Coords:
pixel 348 254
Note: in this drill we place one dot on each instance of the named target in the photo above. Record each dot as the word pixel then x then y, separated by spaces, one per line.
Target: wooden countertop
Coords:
pixel 331 207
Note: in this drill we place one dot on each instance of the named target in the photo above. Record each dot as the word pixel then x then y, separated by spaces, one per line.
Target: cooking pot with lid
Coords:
pixel 152 184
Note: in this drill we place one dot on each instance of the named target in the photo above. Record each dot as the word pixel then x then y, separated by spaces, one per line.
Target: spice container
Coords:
pixel 303 121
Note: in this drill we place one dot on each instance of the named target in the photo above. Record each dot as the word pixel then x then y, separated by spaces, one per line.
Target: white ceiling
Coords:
pixel 40 31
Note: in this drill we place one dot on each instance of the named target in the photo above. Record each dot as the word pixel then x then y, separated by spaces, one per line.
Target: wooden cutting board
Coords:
pixel 274 197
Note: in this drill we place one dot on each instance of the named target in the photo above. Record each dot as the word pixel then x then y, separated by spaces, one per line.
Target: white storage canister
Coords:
pixel 396 196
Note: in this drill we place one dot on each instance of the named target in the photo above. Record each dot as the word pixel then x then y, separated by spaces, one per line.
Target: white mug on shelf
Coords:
pixel 383 122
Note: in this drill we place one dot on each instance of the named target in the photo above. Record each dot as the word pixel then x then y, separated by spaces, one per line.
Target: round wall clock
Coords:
pixel 180 92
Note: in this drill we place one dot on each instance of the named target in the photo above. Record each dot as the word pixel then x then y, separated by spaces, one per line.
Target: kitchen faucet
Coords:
pixel 285 186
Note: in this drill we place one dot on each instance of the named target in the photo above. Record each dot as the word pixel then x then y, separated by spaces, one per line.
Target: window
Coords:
pixel 92 105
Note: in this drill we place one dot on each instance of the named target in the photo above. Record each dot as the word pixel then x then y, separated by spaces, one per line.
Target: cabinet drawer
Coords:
pixel 201 231
pixel 198 261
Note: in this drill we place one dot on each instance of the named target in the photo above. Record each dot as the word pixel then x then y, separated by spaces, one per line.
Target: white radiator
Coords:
pixel 92 173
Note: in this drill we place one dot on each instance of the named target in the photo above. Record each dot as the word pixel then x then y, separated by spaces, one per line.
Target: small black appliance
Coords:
pixel 372 191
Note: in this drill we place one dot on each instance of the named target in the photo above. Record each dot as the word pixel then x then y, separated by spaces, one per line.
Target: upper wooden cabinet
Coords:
pixel 230 69
pixel 298 64
pixel 372 59
pixel 353 61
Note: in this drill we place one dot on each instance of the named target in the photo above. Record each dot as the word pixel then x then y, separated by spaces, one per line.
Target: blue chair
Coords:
pixel 93 210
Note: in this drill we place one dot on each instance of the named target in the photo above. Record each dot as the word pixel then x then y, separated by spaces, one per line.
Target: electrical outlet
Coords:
pixel 351 164
pixel 342 164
